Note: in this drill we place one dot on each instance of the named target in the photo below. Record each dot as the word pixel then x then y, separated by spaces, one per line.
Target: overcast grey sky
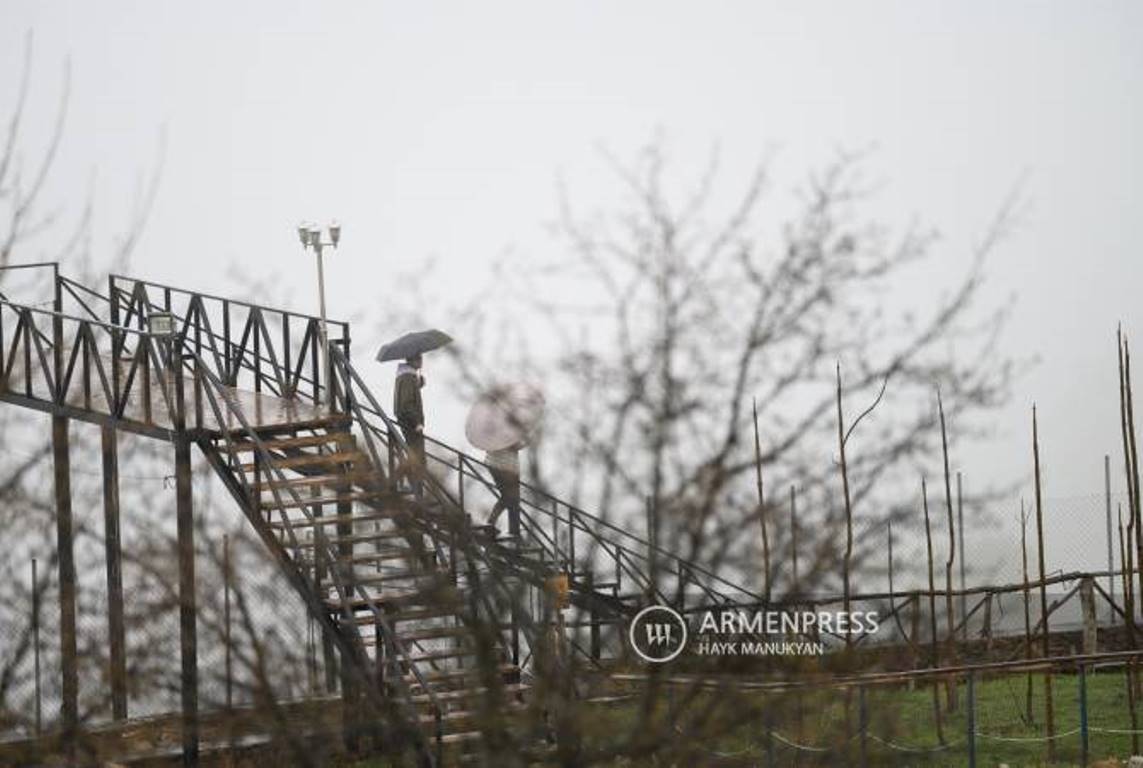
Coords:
pixel 439 129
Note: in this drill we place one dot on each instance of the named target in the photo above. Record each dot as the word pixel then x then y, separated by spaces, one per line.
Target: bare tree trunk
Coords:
pixel 845 565
pixel 794 536
pixel 762 509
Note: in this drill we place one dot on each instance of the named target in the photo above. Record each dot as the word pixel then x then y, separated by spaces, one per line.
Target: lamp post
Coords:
pixel 310 235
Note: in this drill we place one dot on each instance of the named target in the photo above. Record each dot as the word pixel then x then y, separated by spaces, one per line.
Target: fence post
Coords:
pixel 1083 714
pixel 971 720
pixel 36 645
pixel 1087 608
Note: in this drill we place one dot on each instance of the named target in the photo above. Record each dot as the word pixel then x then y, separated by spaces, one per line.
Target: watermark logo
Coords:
pixel 658 634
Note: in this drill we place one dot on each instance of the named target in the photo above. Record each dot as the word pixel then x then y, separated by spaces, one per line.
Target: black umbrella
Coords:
pixel 415 343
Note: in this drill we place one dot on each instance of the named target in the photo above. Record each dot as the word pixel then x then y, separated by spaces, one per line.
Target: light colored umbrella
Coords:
pixel 415 343
pixel 506 416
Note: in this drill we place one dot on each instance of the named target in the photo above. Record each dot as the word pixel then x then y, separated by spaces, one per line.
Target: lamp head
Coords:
pixel 304 234
pixel 334 232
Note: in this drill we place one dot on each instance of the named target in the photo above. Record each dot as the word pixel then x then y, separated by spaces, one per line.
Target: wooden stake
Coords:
pixel 1134 479
pixel 1049 715
pixel 950 618
pixel 1130 465
pixel 1030 717
pixel 1129 611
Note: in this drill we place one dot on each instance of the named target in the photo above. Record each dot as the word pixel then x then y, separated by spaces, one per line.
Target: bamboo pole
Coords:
pixel 1128 610
pixel 1130 466
pixel 932 613
pixel 1049 715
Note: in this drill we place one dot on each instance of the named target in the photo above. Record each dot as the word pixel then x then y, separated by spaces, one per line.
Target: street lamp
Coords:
pixel 310 235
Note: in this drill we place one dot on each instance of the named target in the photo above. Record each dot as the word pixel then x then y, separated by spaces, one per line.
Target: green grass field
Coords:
pixel 902 730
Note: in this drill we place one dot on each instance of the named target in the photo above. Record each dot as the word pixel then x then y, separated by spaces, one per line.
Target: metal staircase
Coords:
pixel 430 615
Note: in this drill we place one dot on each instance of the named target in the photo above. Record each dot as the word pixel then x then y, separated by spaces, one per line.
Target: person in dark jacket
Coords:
pixel 410 413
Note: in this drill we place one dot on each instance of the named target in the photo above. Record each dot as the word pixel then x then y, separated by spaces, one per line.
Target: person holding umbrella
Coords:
pixel 408 407
pixel 504 420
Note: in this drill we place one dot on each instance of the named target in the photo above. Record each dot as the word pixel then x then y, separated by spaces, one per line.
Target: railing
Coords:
pixel 571 538
pixel 448 529
pixel 67 361
pixel 277 350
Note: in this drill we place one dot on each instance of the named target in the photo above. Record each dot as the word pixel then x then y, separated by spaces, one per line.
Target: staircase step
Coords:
pixel 358 538
pixel 433 633
pixel 289 502
pixel 450 653
pixel 445 676
pixel 384 578
pixel 438 595
pixel 375 556
pixel 310 459
pixel 396 617
pixel 307 522
pixel 301 441
pixel 309 481
pixel 459 694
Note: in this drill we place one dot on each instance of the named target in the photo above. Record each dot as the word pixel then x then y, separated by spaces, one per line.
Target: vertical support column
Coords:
pixel 116 632
pixel 66 555
pixel 36 647
pixel 188 640
pixel 228 664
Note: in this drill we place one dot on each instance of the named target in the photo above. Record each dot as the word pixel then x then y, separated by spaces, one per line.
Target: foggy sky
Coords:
pixel 441 128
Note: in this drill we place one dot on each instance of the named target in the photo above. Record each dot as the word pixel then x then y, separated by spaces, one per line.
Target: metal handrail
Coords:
pixel 244 362
pixel 442 496
pixel 342 324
